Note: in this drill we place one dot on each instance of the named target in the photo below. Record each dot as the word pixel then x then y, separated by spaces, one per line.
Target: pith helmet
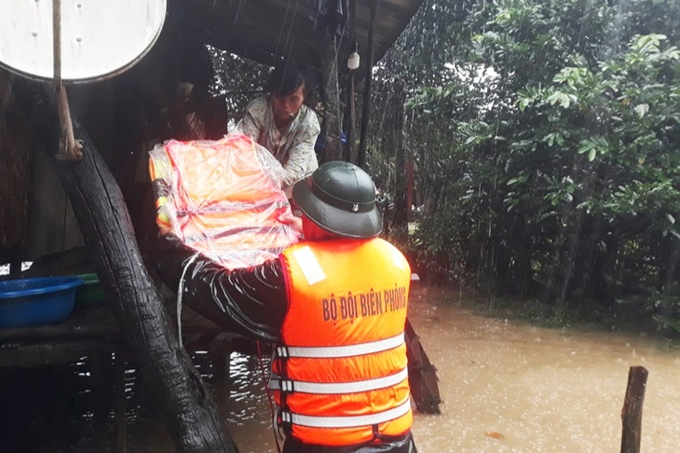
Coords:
pixel 340 198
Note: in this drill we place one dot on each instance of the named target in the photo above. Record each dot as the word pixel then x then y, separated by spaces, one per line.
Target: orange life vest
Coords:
pixel 341 377
pixel 222 198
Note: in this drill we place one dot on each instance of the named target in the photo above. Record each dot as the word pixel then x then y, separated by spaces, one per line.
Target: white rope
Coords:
pixel 180 291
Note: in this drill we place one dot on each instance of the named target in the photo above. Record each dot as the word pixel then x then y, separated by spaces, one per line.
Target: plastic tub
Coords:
pixel 91 292
pixel 37 301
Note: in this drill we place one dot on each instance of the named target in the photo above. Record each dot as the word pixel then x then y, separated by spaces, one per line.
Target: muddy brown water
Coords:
pixel 508 386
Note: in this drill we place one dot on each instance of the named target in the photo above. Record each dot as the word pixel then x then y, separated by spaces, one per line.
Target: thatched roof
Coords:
pixel 266 29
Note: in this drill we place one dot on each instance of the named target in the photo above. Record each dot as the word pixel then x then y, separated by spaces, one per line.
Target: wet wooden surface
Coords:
pixel 92 330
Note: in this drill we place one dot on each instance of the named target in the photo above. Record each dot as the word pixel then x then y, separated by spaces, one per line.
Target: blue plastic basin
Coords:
pixel 37 301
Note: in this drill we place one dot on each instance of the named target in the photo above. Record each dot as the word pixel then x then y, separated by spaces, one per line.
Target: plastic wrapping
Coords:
pixel 223 199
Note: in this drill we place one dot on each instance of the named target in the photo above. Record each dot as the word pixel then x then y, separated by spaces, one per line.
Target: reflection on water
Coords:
pixel 507 386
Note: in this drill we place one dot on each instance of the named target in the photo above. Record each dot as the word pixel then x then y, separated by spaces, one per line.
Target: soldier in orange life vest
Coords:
pixel 336 304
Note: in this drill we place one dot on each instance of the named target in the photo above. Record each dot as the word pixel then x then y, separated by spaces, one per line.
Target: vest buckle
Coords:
pixel 287 385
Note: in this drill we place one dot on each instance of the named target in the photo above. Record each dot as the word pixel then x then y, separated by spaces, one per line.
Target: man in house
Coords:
pixel 281 122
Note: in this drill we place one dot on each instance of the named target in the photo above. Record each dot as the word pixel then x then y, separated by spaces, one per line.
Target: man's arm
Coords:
pixel 250 301
pixel 301 157
pixel 251 123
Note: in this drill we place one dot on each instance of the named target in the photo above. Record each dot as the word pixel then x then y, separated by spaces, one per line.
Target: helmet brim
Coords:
pixel 360 225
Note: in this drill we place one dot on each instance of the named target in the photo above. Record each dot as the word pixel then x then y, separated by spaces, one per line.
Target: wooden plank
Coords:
pixel 32 354
pixel 51 227
pixel 96 322
pixel 15 175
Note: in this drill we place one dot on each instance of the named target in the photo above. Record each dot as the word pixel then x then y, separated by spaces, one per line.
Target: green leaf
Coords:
pixel 592 154
pixel 563 98
pixel 642 109
pixel 559 139
pixel 524 103
pixel 670 219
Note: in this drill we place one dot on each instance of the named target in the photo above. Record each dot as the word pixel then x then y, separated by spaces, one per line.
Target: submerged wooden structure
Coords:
pixel 49 208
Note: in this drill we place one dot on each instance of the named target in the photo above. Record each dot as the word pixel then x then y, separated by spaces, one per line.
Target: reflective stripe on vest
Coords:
pixel 329 352
pixel 287 385
pixel 347 421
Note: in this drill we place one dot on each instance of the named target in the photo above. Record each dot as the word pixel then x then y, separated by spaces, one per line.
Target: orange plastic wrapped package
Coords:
pixel 223 199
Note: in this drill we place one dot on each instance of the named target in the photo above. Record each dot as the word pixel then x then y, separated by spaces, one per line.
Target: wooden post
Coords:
pixel 15 269
pixel 351 96
pixel 366 109
pixel 631 414
pixel 178 389
pixel 410 171
pixel 400 222
pixel 119 404
pixel 351 131
pixel 331 98
pixel 100 376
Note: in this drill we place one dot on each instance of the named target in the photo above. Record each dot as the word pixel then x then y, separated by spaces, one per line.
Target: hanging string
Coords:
pixel 277 434
pixel 180 291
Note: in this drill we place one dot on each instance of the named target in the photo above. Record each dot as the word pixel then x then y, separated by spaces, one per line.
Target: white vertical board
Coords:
pixel 100 38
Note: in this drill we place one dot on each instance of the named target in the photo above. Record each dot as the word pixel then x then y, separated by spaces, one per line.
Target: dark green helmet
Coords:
pixel 340 198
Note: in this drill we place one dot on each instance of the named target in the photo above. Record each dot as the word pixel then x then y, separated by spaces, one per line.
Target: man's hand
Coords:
pixel 293 221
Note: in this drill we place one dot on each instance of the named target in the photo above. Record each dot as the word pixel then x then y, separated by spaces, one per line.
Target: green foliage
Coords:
pixel 237 79
pixel 547 140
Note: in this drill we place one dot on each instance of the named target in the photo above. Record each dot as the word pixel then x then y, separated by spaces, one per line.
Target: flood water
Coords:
pixel 508 386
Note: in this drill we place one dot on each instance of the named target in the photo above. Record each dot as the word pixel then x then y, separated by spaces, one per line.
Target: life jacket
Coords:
pixel 341 376
pixel 222 198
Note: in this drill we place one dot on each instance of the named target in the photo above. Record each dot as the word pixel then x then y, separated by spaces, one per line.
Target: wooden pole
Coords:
pixel 410 171
pixel 119 405
pixel 15 269
pixel 186 405
pixel 400 222
pixel 331 97
pixel 352 129
pixel 366 109
pixel 631 414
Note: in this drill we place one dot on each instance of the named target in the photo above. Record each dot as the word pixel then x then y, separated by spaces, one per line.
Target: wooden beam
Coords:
pixel 631 414
pixel 187 407
pixel 366 110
